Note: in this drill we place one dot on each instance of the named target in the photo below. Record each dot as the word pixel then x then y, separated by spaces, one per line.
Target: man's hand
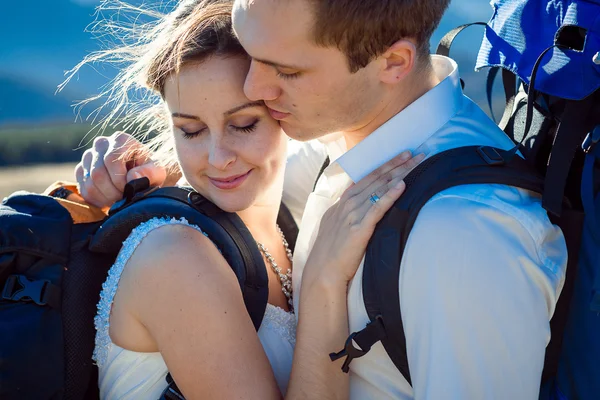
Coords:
pixel 110 164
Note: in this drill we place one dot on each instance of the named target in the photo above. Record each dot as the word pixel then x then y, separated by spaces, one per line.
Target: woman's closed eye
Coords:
pixel 246 128
pixel 190 133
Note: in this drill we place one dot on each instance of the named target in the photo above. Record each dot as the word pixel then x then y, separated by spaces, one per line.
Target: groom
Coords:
pixel 483 267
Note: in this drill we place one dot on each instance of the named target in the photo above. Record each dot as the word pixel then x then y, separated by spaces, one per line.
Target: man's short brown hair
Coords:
pixel 365 29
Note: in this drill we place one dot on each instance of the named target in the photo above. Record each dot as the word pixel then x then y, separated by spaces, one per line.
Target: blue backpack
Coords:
pixel 549 55
pixel 53 263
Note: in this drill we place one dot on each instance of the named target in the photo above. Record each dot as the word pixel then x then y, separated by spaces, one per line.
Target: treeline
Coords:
pixel 45 144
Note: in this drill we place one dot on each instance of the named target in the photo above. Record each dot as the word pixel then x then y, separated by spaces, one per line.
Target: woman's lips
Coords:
pixel 230 182
pixel 278 114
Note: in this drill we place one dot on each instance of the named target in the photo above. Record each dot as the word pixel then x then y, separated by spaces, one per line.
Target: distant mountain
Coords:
pixel 22 102
pixel 40 39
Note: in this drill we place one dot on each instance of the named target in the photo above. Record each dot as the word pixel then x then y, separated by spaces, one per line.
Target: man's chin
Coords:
pixel 295 132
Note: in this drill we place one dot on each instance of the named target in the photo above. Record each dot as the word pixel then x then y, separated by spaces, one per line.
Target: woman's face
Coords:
pixel 229 148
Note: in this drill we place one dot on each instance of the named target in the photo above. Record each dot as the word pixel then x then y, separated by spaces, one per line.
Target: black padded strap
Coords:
pixel 171 392
pixel 509 81
pixel 226 230
pixel 461 166
pixel 571 223
pixel 445 44
pixel 489 89
pixel 571 133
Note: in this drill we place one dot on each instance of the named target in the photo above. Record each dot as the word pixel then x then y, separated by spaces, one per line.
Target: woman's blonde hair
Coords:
pixel 147 45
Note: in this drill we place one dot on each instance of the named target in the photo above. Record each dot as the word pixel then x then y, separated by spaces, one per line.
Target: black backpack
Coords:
pixel 557 138
pixel 52 271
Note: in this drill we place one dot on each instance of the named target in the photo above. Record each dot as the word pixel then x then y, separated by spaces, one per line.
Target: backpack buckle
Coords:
pixel 491 155
pixel 349 351
pixel 134 190
pixel 365 339
pixel 20 288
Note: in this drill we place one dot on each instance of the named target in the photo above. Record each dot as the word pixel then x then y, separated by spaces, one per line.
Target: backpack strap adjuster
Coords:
pixel 491 155
pixel 42 292
pixel 365 339
pixel 591 140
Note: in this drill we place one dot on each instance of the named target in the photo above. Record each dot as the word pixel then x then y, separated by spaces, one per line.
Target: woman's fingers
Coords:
pixel 396 174
pixel 374 199
pixel 380 173
pixel 377 209
pixel 398 167
pixel 359 195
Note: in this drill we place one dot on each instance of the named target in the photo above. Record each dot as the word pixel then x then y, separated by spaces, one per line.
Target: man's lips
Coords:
pixel 230 182
pixel 278 114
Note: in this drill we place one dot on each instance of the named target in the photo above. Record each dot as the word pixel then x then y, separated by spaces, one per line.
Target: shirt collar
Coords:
pixel 408 129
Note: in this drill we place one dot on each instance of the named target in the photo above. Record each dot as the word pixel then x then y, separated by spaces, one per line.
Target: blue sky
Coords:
pixel 41 39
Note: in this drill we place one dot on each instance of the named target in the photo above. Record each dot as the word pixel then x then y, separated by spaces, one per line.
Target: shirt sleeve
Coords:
pixel 478 286
pixel 304 162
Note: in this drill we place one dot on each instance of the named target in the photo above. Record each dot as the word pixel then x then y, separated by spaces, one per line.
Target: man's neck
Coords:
pixel 416 86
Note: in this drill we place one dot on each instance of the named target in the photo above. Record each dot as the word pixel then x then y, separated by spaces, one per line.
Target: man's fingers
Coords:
pixel 87 189
pixel 123 153
pixel 93 196
pixel 79 174
pixel 99 174
pixel 154 172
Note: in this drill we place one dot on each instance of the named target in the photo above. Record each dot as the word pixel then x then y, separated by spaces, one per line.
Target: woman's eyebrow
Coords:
pixel 186 116
pixel 243 106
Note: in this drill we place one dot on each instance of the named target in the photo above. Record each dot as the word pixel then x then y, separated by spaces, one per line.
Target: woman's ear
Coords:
pixel 399 60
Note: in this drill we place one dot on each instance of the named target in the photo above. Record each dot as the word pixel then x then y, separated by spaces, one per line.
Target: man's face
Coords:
pixel 308 88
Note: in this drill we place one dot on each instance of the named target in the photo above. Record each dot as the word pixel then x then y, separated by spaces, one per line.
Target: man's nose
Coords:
pixel 261 83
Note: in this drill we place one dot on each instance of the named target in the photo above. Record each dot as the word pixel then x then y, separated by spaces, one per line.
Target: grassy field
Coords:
pixel 33 178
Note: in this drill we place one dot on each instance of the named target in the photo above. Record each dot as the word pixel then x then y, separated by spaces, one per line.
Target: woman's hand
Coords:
pixel 346 228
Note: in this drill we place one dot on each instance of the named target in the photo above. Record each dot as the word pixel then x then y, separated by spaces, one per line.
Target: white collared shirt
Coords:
pixel 482 269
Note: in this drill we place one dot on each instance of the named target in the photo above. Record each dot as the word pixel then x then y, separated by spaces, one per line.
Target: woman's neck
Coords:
pixel 261 221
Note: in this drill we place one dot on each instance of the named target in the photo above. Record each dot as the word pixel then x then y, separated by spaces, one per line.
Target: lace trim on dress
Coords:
pixel 280 321
pixel 109 287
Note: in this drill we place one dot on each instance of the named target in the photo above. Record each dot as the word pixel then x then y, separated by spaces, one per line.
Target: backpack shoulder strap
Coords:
pixel 226 230
pixel 460 166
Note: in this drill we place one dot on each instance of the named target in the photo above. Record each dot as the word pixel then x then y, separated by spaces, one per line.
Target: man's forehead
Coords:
pixel 281 22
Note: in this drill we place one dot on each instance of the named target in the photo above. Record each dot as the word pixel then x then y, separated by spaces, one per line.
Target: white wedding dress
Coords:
pixel 125 374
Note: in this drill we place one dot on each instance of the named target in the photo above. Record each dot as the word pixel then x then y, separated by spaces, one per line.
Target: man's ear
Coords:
pixel 398 61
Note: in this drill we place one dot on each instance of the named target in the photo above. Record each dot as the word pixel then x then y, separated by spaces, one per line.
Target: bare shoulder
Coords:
pixel 186 301
pixel 171 258
pixel 173 245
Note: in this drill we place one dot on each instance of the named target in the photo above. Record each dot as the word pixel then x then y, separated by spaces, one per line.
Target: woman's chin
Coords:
pixel 231 205
pixel 229 202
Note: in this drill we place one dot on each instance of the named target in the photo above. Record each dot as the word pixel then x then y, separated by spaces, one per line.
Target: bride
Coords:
pixel 171 302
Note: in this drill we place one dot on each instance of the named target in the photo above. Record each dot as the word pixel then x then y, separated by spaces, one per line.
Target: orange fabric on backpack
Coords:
pixel 67 195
